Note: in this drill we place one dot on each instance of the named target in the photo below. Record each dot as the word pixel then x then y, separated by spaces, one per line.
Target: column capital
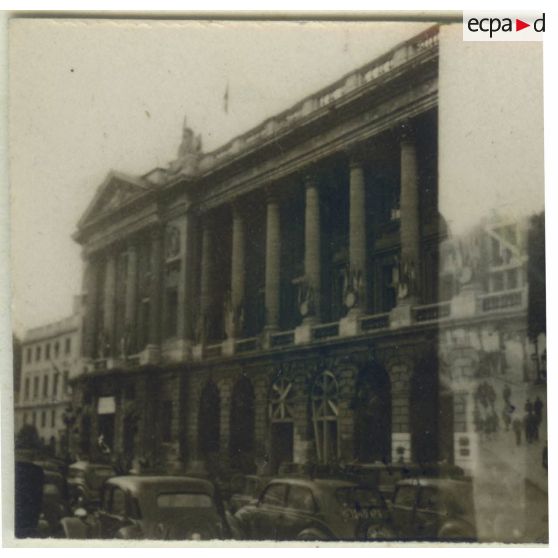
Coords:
pixel 357 155
pixel 156 232
pixel 131 244
pixel 237 208
pixel 310 178
pixel 406 132
pixel 271 194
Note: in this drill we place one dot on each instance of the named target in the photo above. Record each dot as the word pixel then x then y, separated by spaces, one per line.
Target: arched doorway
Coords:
pixel 281 406
pixel 431 416
pixel 241 443
pixel 372 415
pixel 209 420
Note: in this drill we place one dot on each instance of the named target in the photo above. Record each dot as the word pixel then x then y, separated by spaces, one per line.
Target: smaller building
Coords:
pixel 50 359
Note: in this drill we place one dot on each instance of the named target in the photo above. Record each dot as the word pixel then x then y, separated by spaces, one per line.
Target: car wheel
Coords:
pixel 313 535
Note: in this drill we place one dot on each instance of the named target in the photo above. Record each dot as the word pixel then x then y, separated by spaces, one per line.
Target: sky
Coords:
pixel 89 96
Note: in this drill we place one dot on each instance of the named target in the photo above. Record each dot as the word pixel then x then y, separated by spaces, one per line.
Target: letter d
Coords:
pixel 538 22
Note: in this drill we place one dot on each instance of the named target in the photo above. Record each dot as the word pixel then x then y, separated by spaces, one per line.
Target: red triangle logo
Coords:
pixel 519 25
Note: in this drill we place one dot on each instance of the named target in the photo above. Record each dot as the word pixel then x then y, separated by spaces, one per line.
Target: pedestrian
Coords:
pixel 538 407
pixel 528 406
pixel 506 416
pixel 517 430
pixel 507 394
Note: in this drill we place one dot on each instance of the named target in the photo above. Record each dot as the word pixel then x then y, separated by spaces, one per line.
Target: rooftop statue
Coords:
pixel 189 152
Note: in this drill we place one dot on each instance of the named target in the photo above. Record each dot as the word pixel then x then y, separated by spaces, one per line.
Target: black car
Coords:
pixel 153 507
pixel 434 510
pixel 315 509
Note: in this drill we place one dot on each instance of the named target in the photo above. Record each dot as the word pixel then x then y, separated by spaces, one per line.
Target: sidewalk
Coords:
pixel 511 490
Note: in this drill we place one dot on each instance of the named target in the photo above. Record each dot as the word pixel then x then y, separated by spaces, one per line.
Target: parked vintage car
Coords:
pixel 153 507
pixel 245 489
pixel 434 510
pixel 29 479
pixel 55 504
pixel 85 481
pixel 315 509
pixel 386 475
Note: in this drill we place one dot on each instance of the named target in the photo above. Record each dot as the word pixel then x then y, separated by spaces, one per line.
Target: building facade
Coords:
pixel 296 296
pixel 51 358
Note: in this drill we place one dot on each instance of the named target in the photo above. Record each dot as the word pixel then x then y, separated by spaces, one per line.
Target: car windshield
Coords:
pixel 359 497
pixel 76 473
pixel 251 487
pixel 184 500
pixel 50 490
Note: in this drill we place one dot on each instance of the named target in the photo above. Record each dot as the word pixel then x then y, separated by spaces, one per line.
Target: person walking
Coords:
pixel 517 430
pixel 538 408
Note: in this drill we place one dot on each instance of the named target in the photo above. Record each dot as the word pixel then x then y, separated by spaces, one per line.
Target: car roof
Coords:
pixel 321 482
pixel 439 482
pixel 135 483
pixel 83 465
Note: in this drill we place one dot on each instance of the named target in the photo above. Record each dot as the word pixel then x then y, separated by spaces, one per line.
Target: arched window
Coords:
pixel 280 401
pixel 325 399
pixel 281 412
pixel 242 423
pixel 209 420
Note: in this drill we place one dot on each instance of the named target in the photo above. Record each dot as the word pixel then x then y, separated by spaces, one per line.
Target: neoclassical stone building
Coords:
pixel 293 296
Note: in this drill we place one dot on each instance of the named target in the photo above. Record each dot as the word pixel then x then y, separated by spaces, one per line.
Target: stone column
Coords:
pixel 272 264
pixel 109 303
pixel 410 228
pixel 357 234
pixel 312 253
pixel 155 295
pixel 186 293
pixel 237 270
pixel 131 299
pixel 206 272
pixel 90 291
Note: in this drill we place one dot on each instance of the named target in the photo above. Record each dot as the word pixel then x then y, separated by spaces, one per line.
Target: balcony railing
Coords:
pixel 325 331
pixel 502 301
pixel 283 339
pixel 377 321
pixel 429 312
pixel 212 351
pixel 375 71
pixel 247 345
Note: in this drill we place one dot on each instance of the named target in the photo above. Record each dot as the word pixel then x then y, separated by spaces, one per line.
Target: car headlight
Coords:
pixel 195 537
pixel 378 533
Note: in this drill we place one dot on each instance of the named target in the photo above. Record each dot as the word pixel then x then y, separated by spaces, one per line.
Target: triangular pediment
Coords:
pixel 114 192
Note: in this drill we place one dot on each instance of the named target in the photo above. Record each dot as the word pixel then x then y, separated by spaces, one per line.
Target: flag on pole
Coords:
pixel 226 99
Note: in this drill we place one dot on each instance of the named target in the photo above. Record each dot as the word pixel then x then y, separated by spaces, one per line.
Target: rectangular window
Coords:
pixel 38 353
pixel 45 386
pixel 171 322
pixel 55 382
pixel 27 388
pixel 56 349
pixel 36 387
pixel 66 382
pixel 388 295
pixel 47 351
pixel 34 418
pixel 498 282
pixel 511 278
pixel 53 418
pixel 68 346
pixel 43 419
pixel 166 421
pixel 29 355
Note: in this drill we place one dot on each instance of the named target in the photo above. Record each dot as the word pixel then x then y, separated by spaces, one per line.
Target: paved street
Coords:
pixel 511 491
